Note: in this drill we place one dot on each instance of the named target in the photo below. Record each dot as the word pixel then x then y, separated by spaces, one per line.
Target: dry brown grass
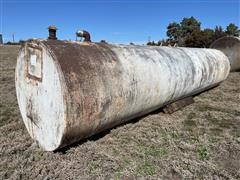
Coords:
pixel 201 141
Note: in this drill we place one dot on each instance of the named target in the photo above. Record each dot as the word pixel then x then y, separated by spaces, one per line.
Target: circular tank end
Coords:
pixel 39 88
pixel 230 46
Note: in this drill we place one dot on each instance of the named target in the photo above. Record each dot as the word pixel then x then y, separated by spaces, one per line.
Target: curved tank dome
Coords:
pixel 230 45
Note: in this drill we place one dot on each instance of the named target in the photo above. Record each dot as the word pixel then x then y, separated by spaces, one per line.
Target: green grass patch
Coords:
pixel 147 168
pixel 155 151
pixel 216 131
pixel 202 153
pixel 191 115
pixel 6 114
pixel 204 108
pixel 189 119
pixel 222 123
pixel 189 123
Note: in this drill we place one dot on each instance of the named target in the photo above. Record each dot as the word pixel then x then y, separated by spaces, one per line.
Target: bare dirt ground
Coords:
pixel 202 141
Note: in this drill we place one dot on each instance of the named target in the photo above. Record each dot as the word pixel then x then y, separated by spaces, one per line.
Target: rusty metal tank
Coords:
pixel 230 45
pixel 68 91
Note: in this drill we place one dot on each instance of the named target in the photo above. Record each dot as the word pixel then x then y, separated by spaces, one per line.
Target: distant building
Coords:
pixel 1 39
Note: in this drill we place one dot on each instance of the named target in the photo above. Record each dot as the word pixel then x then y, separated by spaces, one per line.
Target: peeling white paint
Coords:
pixel 41 102
pixel 140 79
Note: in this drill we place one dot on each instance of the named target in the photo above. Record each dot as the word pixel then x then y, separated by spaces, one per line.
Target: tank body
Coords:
pixel 68 91
pixel 230 45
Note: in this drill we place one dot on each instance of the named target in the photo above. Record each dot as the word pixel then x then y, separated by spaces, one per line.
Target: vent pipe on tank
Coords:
pixel 52 32
pixel 84 34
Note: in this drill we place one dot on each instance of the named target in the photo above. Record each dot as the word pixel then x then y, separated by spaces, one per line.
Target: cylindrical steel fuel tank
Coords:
pixel 230 45
pixel 68 91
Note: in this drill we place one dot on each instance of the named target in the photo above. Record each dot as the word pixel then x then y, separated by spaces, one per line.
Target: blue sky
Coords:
pixel 113 20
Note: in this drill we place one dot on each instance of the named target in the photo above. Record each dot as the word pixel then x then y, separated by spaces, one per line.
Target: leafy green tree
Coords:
pixel 218 32
pixel 200 38
pixel 21 41
pixel 151 43
pixel 189 25
pixel 162 42
pixel 174 31
pixel 188 33
pixel 195 39
pixel 180 32
pixel 232 29
pixel 207 36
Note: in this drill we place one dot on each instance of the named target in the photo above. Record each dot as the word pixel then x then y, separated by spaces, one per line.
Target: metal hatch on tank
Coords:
pixel 69 90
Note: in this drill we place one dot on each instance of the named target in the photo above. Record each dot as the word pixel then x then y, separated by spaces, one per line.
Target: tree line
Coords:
pixel 188 33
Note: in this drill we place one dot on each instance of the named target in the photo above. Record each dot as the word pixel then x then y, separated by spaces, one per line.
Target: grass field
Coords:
pixel 202 141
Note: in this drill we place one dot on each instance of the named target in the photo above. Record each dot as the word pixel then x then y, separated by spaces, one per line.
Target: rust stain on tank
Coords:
pixel 100 85
pixel 83 68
